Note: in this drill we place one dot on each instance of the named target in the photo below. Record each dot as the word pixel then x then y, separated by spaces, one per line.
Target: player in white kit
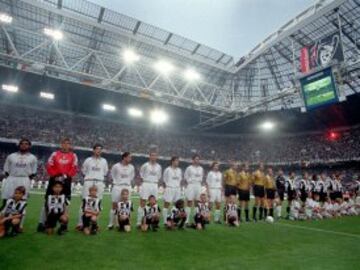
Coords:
pixel 122 174
pixel 19 168
pixel 172 179
pixel 94 169
pixel 214 186
pixel 193 176
pixel 150 174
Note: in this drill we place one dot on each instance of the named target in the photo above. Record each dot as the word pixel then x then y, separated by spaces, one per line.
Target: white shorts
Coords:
pixel 171 194
pixel 116 192
pixel 148 189
pixel 11 183
pixel 215 195
pixel 193 192
pixel 100 188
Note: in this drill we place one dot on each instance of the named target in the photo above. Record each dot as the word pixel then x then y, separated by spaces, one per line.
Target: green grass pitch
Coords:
pixel 328 244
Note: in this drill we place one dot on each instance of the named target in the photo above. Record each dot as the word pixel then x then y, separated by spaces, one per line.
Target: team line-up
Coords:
pixel 315 198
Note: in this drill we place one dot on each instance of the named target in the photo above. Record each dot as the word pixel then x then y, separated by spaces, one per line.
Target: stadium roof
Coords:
pixel 90 53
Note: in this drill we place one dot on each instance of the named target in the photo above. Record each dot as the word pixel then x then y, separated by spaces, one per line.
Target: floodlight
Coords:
pixel 158 117
pixel 130 56
pixel 10 88
pixel 108 107
pixel 47 95
pixel 55 34
pixel 134 112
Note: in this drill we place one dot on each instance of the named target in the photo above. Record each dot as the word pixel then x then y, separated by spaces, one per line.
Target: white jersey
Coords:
pixel 172 177
pixel 214 179
pixel 20 165
pixel 122 174
pixel 194 174
pixel 95 168
pixel 150 173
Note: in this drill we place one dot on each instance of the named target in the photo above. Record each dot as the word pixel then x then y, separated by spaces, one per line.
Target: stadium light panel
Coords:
pixel 10 88
pixel 55 34
pixel 164 67
pixel 130 56
pixel 158 117
pixel 108 107
pixel 267 126
pixel 135 112
pixel 5 18
pixel 191 75
pixel 47 95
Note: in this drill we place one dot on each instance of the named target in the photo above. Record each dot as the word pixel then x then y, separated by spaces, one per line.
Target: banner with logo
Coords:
pixel 324 52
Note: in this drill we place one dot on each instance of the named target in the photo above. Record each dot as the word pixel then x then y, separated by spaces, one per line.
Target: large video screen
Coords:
pixel 319 89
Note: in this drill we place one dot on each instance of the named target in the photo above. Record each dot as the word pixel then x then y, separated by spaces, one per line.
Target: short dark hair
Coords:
pixel 195 156
pixel 213 164
pixel 151 196
pixel 58 183
pixel 24 140
pixel 21 189
pixel 173 158
pixel 66 139
pixel 96 145
pixel 179 203
pixel 125 154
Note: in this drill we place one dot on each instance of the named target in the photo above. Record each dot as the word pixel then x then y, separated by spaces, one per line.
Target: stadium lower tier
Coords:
pixel 49 127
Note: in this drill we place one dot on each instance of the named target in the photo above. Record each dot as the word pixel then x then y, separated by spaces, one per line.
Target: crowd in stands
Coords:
pixel 50 127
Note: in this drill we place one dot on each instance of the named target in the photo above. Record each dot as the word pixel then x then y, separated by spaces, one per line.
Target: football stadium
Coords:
pixel 124 144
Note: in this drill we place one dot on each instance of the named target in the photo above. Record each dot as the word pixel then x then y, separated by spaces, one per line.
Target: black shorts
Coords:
pixel 339 195
pixel 259 191
pixel 244 195
pixel 86 221
pixel 149 221
pixel 323 196
pixel 66 187
pixel 52 219
pixel 230 190
pixel 281 194
pixel 336 195
pixel 199 219
pixel 291 195
pixel 270 194
pixel 303 196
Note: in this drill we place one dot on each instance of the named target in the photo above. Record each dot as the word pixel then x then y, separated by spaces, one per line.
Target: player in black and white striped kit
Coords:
pixel 304 187
pixel 56 205
pixel 177 216
pixel 123 211
pixel 151 215
pixel 231 212
pixel 290 190
pixel 12 213
pixel 91 208
pixel 202 213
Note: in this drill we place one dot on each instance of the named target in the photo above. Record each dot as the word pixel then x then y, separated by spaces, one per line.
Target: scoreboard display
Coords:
pixel 319 89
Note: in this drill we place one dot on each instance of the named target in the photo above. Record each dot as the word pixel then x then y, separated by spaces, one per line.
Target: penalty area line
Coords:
pixel 318 230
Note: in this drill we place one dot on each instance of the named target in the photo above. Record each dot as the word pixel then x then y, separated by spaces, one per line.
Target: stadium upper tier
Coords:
pixel 49 127
pixel 79 41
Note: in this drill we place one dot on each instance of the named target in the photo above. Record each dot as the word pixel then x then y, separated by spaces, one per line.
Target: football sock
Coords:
pixel 165 213
pixel 254 212
pixel 111 217
pixel 217 215
pixel 140 215
pixel 261 210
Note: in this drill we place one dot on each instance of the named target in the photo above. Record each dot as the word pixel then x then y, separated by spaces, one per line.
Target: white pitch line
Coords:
pixel 319 230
